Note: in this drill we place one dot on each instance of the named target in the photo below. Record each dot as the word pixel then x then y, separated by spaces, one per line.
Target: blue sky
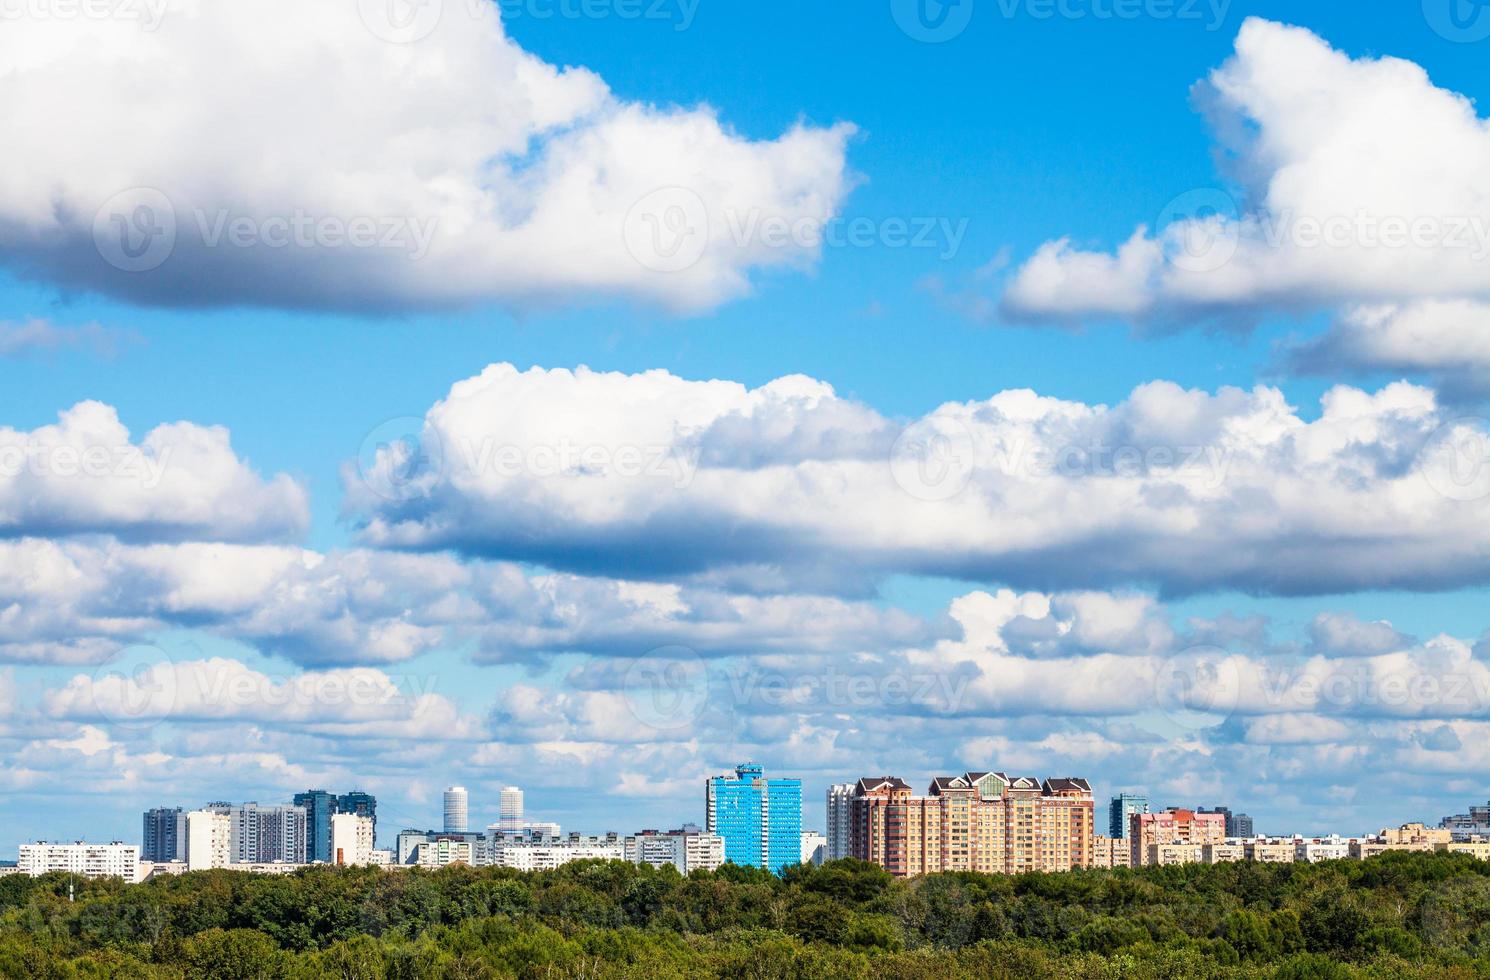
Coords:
pixel 1019 131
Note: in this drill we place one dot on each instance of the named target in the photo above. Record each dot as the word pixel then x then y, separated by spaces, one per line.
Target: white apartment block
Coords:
pixel 209 840
pixel 814 847
pixel 441 852
pixel 546 853
pixel 687 849
pixel 114 860
pixel 840 820
pixel 1321 849
pixel 351 839
pixel 268 834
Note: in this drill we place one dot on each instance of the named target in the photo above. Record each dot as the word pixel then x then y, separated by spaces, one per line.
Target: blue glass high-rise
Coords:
pixel 1122 810
pixel 760 819
pixel 319 806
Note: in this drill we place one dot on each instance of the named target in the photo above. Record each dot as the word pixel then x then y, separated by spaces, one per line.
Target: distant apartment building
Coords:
pixel 1120 812
pixel 689 848
pixel 1468 826
pixel 209 840
pixel 456 809
pixel 409 842
pixel 814 847
pixel 978 821
pixel 1111 852
pixel 360 804
pixel 1221 853
pixel 760 819
pixel 443 851
pixel 1164 855
pixel 840 820
pixel 114 860
pixel 1478 848
pixel 266 834
pixel 510 809
pixel 1271 851
pixel 163 836
pixel 1408 837
pixel 1182 832
pixel 1316 849
pixel 1238 825
pixel 527 853
pixel 351 839
pixel 319 805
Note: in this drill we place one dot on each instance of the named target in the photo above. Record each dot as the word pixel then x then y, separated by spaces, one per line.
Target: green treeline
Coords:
pixel 1398 916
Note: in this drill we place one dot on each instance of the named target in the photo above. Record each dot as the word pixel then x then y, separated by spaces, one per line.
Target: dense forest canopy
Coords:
pixel 1397 916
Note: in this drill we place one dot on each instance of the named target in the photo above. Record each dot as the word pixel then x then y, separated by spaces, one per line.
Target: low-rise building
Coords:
pixel 1477 848
pixel 814 847
pixel 114 860
pixel 1163 855
pixel 1265 851
pixel 161 869
pixel 444 851
pixel 529 853
pixel 1314 850
pixel 1111 852
pixel 1408 837
pixel 688 849
pixel 1223 853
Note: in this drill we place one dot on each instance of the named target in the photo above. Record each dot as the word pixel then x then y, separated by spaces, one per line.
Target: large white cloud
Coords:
pixel 1361 182
pixel 180 481
pixel 794 486
pixel 84 601
pixel 1446 340
pixel 315 154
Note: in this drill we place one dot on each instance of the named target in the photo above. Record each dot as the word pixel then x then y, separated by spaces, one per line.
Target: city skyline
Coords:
pixel 164 828
pixel 496 400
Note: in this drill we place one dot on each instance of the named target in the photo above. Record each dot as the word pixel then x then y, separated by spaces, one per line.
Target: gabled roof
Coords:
pixel 939 784
pixel 873 784
pixel 1068 785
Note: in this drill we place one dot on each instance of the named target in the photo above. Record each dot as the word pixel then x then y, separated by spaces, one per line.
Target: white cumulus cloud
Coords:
pixel 311 154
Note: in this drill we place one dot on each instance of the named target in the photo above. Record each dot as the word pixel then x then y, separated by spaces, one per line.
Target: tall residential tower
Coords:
pixel 760 819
